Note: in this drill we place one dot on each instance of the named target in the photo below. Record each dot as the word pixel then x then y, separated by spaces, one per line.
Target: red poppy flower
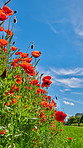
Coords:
pixel 46 105
pixel 60 116
pixel 13 48
pixel 19 79
pixel 35 54
pixel 40 91
pixel 17 89
pixel 25 106
pixel 46 83
pixel 14 64
pixel 48 97
pixel 7 10
pixel 46 77
pixel 1 28
pixel 29 88
pixel 70 138
pixel 3 42
pixel 23 55
pixel 34 82
pixel 25 65
pixel 18 53
pixel 38 85
pixel 3 16
pixel 2 132
pixel 53 103
pixel 5 50
pixel 7 104
pixel 14 100
pixel 9 32
pixel 28 68
pixel 16 60
pixel 27 59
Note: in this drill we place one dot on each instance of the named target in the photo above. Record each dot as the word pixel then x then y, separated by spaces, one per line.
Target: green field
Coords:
pixel 77 136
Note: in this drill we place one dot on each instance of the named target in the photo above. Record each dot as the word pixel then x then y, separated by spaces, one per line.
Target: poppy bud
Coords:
pixel 15 11
pixel 15 20
pixel 32 46
pixel 13 42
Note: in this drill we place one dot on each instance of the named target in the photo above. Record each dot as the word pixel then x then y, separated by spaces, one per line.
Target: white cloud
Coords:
pixel 73 100
pixel 68 103
pixel 62 71
pixel 78 93
pixel 64 90
pixel 70 82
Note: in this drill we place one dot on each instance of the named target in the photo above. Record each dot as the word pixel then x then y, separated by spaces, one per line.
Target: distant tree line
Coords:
pixel 78 118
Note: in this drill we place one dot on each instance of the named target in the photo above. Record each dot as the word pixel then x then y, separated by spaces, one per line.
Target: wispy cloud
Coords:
pixel 64 90
pixel 78 93
pixel 62 71
pixel 70 82
pixel 52 28
pixel 73 100
pixel 68 103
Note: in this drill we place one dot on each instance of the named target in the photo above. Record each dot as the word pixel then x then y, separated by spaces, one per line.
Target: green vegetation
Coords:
pixel 75 120
pixel 77 136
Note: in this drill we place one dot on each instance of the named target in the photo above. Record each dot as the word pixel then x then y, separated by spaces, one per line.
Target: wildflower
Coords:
pixel 61 130
pixel 1 28
pixel 28 68
pixel 29 88
pixel 46 77
pixel 14 100
pixel 7 104
pixel 13 48
pixel 48 97
pixel 53 103
pixel 2 132
pixel 34 82
pixel 23 55
pixel 16 60
pixel 14 64
pixel 60 116
pixel 69 138
pixel 35 54
pixel 19 79
pixel 18 53
pixel 5 50
pixel 38 85
pixel 27 59
pixel 3 16
pixel 25 106
pixel 40 91
pixel 3 42
pixel 46 83
pixel 7 10
pixel 46 105
pixel 17 89
pixel 9 32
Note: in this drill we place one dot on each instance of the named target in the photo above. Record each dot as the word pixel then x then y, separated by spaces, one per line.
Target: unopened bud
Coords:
pixel 13 42
pixel 15 11
pixel 32 46
pixel 15 20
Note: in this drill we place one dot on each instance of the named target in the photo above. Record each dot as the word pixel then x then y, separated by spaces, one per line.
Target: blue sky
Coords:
pixel 56 27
